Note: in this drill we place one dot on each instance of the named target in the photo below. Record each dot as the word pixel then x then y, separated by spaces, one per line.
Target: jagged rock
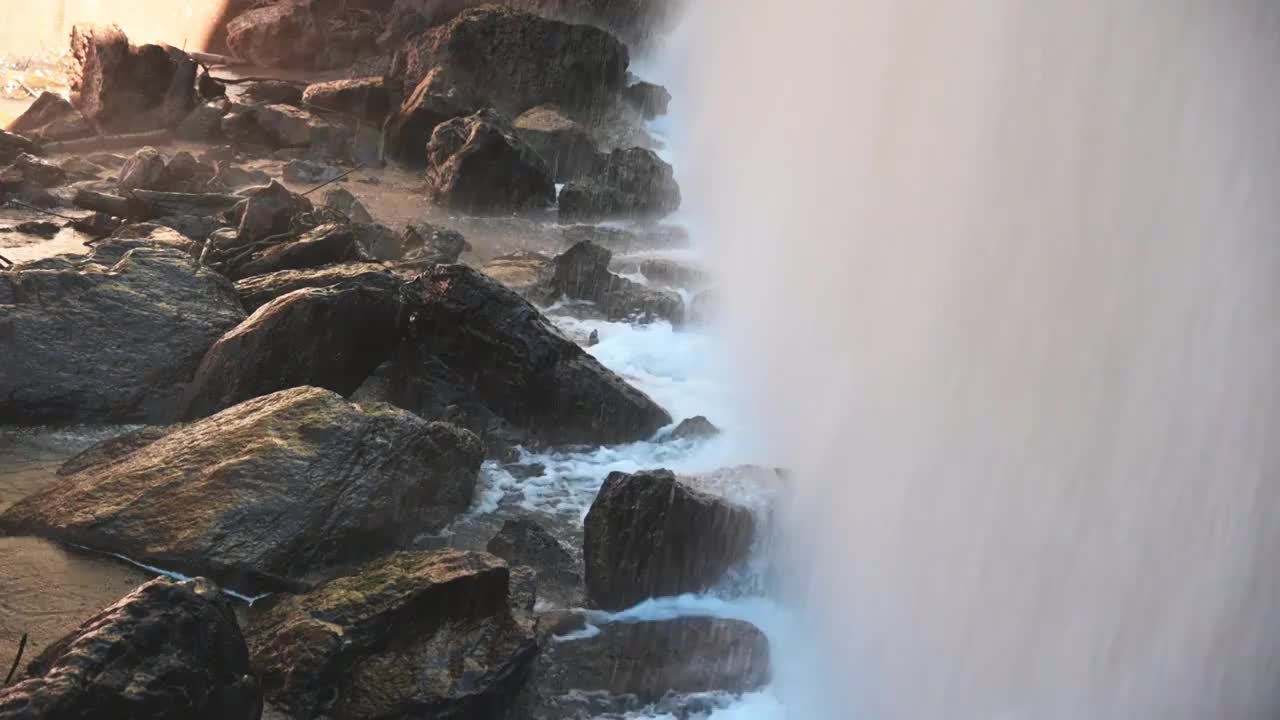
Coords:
pixel 267 211
pixel 124 88
pixel 310 34
pixel 441 635
pixel 651 100
pixel 12 145
pixel 365 98
pixel 311 172
pixel 649 535
pixel 144 171
pixel 434 101
pixel 46 230
pixel 694 428
pixel 330 337
pixel 271 92
pixel 629 665
pixel 325 245
pixel 527 273
pixel 477 164
pixel 565 145
pixel 267 494
pixel 204 124
pixel 95 342
pixel 632 183
pixel 52 117
pixel 472 342
pixel 136 235
pixel 512 61
pixel 290 127
pixel 78 167
pixel 524 542
pixel 428 243
pixel 582 273
pixel 343 201
pixel 30 171
pixel 234 177
pixel 259 290
pixel 166 650
pixel 673 273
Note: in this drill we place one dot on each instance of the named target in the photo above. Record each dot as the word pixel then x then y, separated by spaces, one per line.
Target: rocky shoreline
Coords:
pixel 321 396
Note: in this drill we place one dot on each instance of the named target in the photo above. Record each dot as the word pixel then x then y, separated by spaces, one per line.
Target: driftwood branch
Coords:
pixel 110 142
pixel 110 204
pixel 22 646
pixel 6 262
pixel 142 205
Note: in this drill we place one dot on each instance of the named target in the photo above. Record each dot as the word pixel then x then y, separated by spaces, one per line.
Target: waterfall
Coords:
pixel 1001 280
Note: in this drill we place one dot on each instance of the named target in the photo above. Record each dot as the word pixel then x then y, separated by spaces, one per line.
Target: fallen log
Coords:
pixel 141 205
pixel 111 204
pixel 102 143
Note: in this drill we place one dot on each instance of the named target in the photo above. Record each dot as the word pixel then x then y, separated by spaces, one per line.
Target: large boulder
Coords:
pixel 625 666
pixel 435 635
pixel 478 164
pixel 470 337
pixel 632 183
pixel 649 99
pixel 365 98
pixel 52 117
pixel 145 170
pixel 29 171
pixel 107 338
pixel 527 273
pixel 649 535
pixel 166 650
pixel 330 337
pixel 327 244
pixel 259 290
pixel 12 145
pixel 524 542
pixel 563 143
pixel 268 494
pixel 582 273
pixel 126 88
pixel 309 34
pixel 429 243
pixel 675 274
pixel 433 101
pixel 513 60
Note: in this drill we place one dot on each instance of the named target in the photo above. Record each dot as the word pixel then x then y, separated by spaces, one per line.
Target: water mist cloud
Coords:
pixel 1003 281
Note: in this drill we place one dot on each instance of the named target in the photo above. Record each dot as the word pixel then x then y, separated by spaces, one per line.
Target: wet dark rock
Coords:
pixel 527 273
pixel 563 143
pixel 512 61
pixel 196 227
pixel 144 171
pixel 30 171
pixel 44 230
pixel 582 273
pixel 633 183
pixel 289 127
pixel 330 337
pixel 97 225
pixel 673 273
pixel 364 98
pixel 233 177
pixel 144 235
pixel 125 88
pixel 111 342
pixel 79 168
pixel 259 290
pixel 702 308
pixel 12 145
pixel 525 471
pixel 329 244
pixel 184 168
pixel 631 665
pixel 478 164
pixel 166 650
pixel 52 117
pixel 266 494
pixel 271 92
pixel 524 542
pixel 267 211
pixel 473 341
pixel 649 535
pixel 651 100
pixel 343 201
pixel 204 123
pixel 695 428
pixel 428 243
pixel 440 635
pixel 311 172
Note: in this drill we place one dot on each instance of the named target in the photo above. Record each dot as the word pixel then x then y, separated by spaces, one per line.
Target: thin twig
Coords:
pixel 330 182
pixel 241 81
pixel 19 203
pixel 22 645
pixel 8 264
pixel 30 92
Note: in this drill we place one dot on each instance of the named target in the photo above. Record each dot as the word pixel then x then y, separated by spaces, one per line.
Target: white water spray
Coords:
pixel 1003 278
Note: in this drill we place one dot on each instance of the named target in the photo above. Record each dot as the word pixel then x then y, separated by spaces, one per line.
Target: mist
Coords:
pixel 1001 287
pixel 43 26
